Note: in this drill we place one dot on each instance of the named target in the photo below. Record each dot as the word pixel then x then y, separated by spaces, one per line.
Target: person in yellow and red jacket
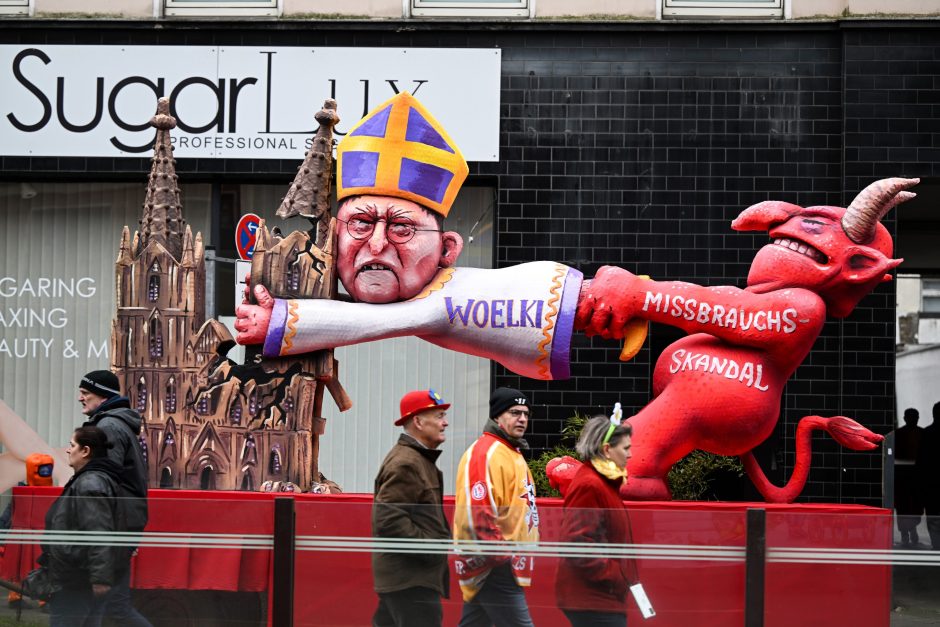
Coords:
pixel 495 502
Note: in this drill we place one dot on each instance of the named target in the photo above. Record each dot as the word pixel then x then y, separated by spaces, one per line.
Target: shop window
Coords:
pixel 14 7
pixel 221 8
pixel 474 8
pixel 930 295
pixel 722 8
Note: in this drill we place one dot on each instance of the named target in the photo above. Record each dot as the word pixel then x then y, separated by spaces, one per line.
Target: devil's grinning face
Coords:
pixel 803 251
pixel 811 250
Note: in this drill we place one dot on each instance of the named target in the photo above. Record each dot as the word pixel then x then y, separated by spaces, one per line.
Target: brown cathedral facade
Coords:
pixel 209 423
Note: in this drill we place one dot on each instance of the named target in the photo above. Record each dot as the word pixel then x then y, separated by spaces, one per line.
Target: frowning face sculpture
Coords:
pixel 390 248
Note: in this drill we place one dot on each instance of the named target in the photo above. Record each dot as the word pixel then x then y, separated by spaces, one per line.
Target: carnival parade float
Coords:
pixel 223 439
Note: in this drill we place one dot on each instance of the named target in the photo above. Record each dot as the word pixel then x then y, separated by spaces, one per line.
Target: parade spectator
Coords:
pixel 592 591
pixel 409 505
pixel 928 470
pixel 82 574
pixel 495 501
pixel 99 394
pixel 907 497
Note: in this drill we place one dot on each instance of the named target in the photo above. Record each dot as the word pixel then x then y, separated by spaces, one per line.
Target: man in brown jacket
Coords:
pixel 409 508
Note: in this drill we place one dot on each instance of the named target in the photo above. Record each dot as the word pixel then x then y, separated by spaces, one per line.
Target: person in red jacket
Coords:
pixel 593 590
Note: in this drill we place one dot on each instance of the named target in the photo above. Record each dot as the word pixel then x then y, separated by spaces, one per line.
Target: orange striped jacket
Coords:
pixel 495 502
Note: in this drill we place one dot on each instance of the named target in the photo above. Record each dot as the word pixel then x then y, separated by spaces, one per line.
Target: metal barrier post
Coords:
pixel 755 562
pixel 282 596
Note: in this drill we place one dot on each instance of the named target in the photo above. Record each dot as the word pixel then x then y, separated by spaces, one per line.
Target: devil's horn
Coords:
pixel 871 204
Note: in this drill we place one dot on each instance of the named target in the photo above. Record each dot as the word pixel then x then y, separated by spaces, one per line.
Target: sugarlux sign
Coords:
pixel 231 102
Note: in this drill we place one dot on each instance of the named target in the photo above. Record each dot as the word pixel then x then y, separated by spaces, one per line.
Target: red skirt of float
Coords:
pixel 693 572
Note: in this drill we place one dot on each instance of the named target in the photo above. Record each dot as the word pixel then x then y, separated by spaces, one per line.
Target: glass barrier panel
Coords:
pixel 819 556
pixel 204 559
pixel 915 568
pixel 208 558
pixel 690 562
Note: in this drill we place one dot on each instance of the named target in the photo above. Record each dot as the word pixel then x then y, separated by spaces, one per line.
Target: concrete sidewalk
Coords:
pixel 916 599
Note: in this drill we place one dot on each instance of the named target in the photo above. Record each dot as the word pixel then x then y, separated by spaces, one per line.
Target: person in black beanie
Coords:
pixel 495 501
pixel 99 394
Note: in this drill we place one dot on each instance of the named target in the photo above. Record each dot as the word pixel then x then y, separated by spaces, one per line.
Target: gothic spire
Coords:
pixel 187 260
pixel 124 257
pixel 309 194
pixel 200 248
pixel 162 220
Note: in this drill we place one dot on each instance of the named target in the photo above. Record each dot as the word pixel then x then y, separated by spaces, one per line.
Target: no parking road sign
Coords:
pixel 245 235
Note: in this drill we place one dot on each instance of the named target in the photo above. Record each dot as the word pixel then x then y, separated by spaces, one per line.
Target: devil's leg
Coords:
pixel 662 434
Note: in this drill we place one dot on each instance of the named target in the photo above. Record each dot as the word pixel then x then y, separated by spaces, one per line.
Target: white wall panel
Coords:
pixel 66 232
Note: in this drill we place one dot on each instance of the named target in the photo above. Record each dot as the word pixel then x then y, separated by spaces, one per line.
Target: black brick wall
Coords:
pixel 636 145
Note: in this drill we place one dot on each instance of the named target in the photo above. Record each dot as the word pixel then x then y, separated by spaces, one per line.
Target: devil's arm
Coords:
pixel 734 315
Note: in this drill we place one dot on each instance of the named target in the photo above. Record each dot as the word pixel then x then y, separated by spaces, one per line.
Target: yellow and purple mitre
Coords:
pixel 400 150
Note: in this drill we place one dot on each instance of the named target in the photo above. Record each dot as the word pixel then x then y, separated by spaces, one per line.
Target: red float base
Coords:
pixel 694 575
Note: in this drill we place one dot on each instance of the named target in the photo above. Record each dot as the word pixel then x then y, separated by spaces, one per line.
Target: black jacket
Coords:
pixel 409 504
pixel 89 503
pixel 122 426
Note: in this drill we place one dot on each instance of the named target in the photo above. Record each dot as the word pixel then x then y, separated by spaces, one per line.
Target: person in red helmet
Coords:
pixel 409 508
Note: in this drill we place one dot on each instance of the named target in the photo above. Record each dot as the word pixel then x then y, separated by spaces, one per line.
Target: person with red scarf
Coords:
pixel 592 590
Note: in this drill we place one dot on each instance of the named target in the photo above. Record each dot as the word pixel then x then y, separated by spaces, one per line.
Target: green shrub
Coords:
pixel 693 478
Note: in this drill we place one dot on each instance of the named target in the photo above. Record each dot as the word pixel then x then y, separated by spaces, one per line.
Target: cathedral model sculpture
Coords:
pixel 209 423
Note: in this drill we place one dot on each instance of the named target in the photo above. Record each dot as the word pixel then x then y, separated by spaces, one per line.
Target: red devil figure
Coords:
pixel 719 388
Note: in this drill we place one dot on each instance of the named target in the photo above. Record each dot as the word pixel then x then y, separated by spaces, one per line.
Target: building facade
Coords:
pixel 623 142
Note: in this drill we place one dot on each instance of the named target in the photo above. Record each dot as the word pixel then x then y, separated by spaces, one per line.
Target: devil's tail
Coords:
pixel 844 430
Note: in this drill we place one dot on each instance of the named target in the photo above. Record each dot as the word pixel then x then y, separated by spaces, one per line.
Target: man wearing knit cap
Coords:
pixel 409 507
pixel 495 501
pixel 99 394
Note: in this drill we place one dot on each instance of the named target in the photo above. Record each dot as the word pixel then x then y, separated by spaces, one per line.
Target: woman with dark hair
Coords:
pixel 82 573
pixel 592 591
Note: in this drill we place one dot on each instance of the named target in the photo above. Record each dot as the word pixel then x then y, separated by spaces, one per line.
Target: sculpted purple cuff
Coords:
pixel 272 343
pixel 561 343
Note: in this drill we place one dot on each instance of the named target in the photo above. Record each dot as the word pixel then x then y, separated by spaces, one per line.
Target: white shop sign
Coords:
pixel 231 101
